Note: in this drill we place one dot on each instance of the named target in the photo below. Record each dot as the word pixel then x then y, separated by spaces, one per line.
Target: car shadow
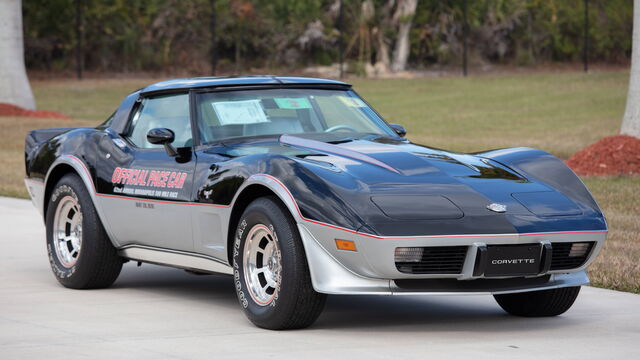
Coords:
pixel 214 289
pixel 475 313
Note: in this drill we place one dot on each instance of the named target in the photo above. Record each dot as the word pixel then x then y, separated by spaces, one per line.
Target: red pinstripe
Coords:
pixel 330 225
pixel 423 236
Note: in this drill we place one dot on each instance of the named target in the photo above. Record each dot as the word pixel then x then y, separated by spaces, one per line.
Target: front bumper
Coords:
pixel 372 269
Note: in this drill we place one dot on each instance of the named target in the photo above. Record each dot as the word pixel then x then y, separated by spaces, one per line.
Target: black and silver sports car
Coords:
pixel 298 188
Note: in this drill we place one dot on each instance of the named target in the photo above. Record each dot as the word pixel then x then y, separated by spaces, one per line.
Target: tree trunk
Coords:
pixel 404 13
pixel 631 120
pixel 382 55
pixel 14 85
pixel 383 61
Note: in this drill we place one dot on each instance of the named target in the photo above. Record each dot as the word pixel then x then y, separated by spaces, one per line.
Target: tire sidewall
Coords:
pixel 71 185
pixel 61 190
pixel 258 213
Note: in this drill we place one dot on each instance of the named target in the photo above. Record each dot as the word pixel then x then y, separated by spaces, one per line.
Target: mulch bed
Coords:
pixel 12 110
pixel 612 155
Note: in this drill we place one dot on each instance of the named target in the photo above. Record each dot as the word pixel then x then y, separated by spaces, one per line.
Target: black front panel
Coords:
pixel 477 285
pixel 431 260
pixel 513 260
pixel 570 255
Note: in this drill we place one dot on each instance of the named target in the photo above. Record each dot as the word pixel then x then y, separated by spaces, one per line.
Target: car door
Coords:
pixel 146 193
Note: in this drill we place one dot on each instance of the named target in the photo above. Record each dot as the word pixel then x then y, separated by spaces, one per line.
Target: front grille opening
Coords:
pixel 570 255
pixel 430 260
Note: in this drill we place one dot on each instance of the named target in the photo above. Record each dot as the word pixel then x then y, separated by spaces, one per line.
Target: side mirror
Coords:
pixel 162 136
pixel 399 129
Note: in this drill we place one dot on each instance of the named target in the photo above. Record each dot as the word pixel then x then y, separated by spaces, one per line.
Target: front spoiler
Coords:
pixel 487 286
pixel 330 277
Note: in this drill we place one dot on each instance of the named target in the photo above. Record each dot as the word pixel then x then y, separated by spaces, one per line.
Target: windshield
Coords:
pixel 230 114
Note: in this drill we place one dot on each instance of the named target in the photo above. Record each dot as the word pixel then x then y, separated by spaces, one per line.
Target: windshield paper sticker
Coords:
pixel 151 181
pixel 352 101
pixel 293 103
pixel 239 112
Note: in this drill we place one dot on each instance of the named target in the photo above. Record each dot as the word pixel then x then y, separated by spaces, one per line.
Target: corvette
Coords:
pixel 297 188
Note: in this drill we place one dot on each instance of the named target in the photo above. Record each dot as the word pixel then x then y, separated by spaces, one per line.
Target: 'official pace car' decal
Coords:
pixel 146 182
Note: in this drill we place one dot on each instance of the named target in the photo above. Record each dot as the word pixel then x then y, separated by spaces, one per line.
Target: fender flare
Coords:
pixel 546 168
pixel 273 185
pixel 83 172
pixel 285 195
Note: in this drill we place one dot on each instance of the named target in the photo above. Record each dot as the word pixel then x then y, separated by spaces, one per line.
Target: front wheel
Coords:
pixel 271 274
pixel 539 303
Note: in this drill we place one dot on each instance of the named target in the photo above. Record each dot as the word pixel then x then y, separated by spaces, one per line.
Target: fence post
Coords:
pixel 465 37
pixel 214 39
pixel 341 38
pixel 585 55
pixel 79 35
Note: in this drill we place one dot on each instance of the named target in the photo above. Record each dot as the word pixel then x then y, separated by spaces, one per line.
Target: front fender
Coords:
pixel 308 194
pixel 546 168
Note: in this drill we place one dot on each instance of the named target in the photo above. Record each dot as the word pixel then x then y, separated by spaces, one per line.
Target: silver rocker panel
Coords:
pixel 173 258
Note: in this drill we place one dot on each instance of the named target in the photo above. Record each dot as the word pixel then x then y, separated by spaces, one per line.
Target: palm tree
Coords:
pixel 631 120
pixel 14 85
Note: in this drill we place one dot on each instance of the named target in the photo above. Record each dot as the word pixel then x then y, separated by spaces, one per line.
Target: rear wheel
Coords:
pixel 271 274
pixel 539 303
pixel 80 252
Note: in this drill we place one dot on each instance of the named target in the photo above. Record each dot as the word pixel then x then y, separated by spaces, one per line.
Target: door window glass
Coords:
pixel 167 111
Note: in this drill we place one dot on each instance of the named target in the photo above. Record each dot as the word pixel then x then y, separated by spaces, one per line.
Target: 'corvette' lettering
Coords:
pixel 150 178
pixel 513 261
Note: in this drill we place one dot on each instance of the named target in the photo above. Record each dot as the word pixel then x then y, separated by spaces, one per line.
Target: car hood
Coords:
pixel 400 188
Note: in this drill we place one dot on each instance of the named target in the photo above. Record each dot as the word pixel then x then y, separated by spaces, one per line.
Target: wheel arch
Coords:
pixel 255 188
pixel 55 174
pixel 69 164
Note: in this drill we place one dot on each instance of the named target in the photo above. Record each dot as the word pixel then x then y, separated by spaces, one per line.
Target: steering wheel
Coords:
pixel 340 127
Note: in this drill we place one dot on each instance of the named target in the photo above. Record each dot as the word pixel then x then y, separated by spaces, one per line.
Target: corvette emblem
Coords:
pixel 207 193
pixel 499 208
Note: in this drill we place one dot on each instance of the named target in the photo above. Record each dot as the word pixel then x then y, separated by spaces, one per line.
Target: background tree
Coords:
pixel 14 84
pixel 173 36
pixel 631 121
pixel 383 60
pixel 404 17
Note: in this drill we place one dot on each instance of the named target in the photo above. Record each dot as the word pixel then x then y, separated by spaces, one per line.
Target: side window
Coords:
pixel 167 111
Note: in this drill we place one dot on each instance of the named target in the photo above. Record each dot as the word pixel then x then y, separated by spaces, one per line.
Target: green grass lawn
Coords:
pixel 560 113
pixel 557 112
pixel 617 265
pixel 92 100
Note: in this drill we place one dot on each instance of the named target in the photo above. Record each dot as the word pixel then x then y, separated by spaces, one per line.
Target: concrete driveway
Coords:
pixel 153 312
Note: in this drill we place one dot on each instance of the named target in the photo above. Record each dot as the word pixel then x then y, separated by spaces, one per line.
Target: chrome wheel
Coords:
pixel 67 231
pixel 262 264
